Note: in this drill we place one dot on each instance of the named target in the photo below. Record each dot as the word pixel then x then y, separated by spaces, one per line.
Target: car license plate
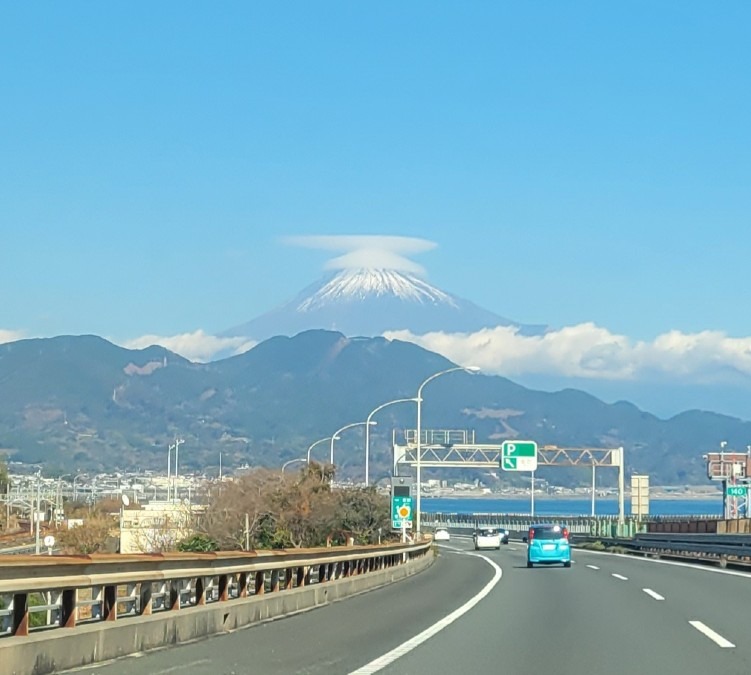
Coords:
pixel 548 547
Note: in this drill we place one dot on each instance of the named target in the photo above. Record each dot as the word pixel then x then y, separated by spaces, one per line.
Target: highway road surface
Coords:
pixel 488 613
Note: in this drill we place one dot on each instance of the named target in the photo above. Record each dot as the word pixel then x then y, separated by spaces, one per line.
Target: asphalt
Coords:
pixel 541 620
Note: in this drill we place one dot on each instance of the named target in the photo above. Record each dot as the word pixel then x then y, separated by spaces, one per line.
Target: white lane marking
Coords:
pixel 511 548
pixel 675 563
pixel 712 635
pixel 593 567
pixel 382 661
pixel 452 548
pixel 619 576
pixel 653 594
pixel 173 669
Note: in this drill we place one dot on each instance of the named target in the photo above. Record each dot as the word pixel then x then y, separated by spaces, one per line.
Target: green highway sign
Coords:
pixel 519 456
pixel 401 511
pixel 736 490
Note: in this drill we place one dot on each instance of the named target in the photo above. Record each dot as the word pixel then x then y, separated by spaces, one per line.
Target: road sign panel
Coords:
pixel 401 511
pixel 736 490
pixel 519 456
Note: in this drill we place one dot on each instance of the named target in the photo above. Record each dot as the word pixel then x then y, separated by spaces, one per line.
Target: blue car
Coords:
pixel 548 544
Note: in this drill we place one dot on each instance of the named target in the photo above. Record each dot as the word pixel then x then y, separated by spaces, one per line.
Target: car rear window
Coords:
pixel 546 533
pixel 488 533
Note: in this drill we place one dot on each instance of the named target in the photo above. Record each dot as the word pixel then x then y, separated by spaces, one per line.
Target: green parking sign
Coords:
pixel 519 456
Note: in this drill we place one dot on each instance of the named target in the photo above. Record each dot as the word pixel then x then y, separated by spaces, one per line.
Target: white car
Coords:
pixel 487 538
pixel 441 534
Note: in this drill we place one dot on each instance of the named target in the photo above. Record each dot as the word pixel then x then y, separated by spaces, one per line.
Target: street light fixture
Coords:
pixel 176 447
pixel 75 490
pixel 344 428
pixel 313 445
pixel 292 461
pixel 467 369
pixel 367 432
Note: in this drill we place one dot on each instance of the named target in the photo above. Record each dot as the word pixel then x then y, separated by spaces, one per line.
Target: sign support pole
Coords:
pixel 532 495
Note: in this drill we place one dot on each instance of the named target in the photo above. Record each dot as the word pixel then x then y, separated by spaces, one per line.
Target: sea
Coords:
pixel 604 506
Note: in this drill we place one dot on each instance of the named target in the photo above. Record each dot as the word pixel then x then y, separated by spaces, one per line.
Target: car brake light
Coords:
pixel 565 533
pixel 531 535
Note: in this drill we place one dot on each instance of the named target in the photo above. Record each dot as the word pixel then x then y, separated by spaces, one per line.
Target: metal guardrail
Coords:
pixel 720 548
pixel 602 526
pixel 18 550
pixel 69 590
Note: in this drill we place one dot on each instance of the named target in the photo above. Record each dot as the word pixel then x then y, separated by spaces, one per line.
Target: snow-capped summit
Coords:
pixel 368 302
pixel 357 285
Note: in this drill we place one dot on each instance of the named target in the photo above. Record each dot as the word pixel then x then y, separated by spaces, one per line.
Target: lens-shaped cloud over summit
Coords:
pixel 387 252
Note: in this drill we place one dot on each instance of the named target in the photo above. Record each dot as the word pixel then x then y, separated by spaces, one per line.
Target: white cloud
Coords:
pixel 589 351
pixel 367 251
pixel 196 346
pixel 7 335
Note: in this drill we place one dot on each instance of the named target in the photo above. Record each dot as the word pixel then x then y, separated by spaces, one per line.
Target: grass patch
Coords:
pixel 593 546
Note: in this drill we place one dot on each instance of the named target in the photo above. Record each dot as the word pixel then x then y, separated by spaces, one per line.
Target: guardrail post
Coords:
pixel 200 591
pixel 146 604
pixel 20 614
pixel 69 613
pixel 260 587
pixel 322 573
pixel 289 578
pixel 242 583
pixel 174 594
pixel 274 581
pixel 224 587
pixel 109 603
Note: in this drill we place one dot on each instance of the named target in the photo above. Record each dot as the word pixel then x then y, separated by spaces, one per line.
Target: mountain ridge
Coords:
pixel 86 403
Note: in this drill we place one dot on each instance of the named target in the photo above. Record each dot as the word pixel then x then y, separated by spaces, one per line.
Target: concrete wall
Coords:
pixel 60 649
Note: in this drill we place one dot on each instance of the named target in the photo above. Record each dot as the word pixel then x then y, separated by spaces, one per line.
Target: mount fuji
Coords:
pixel 370 301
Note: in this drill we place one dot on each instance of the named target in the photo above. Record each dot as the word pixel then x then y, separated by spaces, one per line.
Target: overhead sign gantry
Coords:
pixel 452 448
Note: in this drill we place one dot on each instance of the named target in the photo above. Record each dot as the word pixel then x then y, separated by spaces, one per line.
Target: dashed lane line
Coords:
pixel 653 594
pixel 712 635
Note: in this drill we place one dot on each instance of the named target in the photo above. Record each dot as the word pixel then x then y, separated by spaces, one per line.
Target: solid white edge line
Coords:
pixel 593 567
pixel 619 576
pixel 712 635
pixel 653 594
pixel 389 657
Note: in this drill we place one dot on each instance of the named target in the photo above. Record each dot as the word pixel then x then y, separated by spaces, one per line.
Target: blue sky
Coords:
pixel 575 162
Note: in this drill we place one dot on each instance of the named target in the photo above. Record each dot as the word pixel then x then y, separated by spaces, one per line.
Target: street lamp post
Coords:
pixel 59 496
pixel 169 469
pixel 178 441
pixel 313 445
pixel 467 369
pixel 367 432
pixel 36 512
pixel 344 428
pixel 75 489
